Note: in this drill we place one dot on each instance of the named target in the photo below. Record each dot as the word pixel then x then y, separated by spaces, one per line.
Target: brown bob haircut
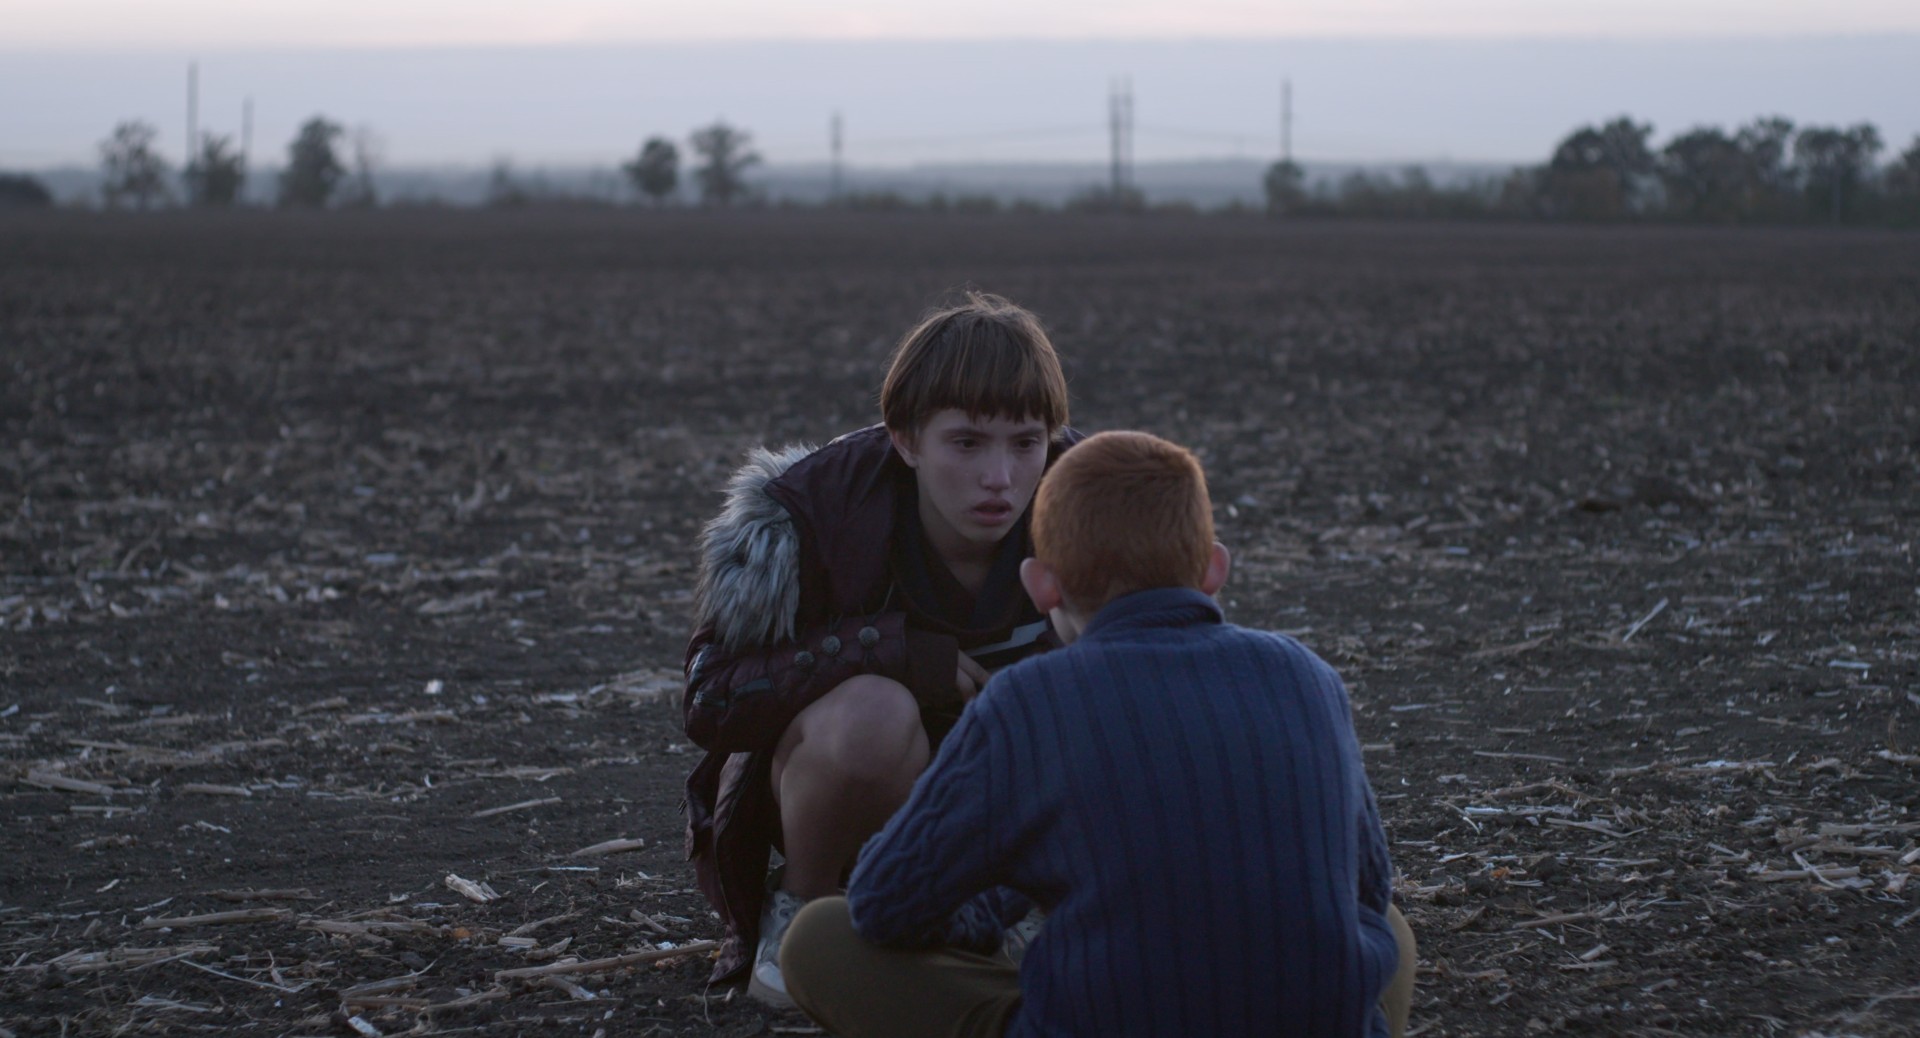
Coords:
pixel 1123 512
pixel 985 356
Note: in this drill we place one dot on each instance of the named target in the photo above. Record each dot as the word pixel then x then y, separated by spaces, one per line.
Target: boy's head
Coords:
pixel 1121 512
pixel 985 357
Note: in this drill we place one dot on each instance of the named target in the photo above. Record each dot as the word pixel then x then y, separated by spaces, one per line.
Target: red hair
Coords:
pixel 1123 512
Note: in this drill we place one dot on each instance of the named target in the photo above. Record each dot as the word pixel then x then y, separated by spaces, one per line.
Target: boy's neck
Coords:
pixel 1068 624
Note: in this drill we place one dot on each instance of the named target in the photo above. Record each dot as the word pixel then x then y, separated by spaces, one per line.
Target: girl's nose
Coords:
pixel 998 474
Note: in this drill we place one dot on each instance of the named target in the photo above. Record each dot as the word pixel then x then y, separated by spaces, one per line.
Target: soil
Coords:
pixel 326 539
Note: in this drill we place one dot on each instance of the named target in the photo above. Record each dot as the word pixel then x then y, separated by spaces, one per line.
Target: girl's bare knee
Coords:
pixel 870 732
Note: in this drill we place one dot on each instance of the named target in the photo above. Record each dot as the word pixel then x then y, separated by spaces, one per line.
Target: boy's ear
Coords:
pixel 1219 566
pixel 904 445
pixel 1042 584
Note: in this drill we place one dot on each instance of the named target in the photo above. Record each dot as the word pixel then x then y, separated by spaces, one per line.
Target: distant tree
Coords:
pixel 368 151
pixel 1104 199
pixel 1602 173
pixel 20 191
pixel 1705 174
pixel 725 157
pixel 1416 191
pixel 976 205
pixel 655 172
pixel 1903 184
pixel 1769 188
pixel 1412 194
pixel 214 177
pixel 134 171
pixel 1365 194
pixel 879 202
pixel 1834 165
pixel 504 190
pixel 1286 187
pixel 313 170
pixel 1523 193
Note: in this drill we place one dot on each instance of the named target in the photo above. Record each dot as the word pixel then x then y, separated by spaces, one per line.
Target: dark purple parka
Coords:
pixel 796 596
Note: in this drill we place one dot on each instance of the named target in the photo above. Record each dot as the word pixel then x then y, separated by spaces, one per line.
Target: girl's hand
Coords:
pixel 971 678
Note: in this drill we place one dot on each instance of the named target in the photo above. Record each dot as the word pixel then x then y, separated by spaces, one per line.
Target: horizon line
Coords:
pixel 603 165
pixel 1518 36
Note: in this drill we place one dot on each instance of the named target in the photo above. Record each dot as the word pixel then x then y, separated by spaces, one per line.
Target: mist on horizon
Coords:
pixel 905 103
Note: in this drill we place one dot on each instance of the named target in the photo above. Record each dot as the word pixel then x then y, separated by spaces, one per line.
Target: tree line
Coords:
pixel 328 166
pixel 1768 171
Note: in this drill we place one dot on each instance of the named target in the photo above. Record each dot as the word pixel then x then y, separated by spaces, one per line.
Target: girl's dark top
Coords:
pixel 936 602
pixel 860 611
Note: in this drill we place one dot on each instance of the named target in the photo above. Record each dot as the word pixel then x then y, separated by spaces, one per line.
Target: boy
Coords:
pixel 851 599
pixel 1184 797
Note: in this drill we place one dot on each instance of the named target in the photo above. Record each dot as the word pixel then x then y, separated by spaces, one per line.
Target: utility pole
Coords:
pixel 1120 130
pixel 246 136
pixel 187 161
pixel 193 108
pixel 833 184
pixel 1286 120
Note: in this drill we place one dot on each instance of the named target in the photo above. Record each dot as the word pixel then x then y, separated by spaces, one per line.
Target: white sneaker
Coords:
pixel 766 985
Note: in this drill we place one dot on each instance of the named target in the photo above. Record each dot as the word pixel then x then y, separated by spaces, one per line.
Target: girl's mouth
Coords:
pixel 993 513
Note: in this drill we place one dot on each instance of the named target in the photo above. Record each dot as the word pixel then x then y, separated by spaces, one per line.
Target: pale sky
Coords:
pixel 582 82
pixel 212 24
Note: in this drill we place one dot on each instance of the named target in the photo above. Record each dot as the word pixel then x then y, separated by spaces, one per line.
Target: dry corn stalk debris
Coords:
pixel 470 889
pixel 298 514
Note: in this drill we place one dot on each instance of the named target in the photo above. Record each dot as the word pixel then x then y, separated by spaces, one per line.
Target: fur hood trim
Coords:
pixel 749 588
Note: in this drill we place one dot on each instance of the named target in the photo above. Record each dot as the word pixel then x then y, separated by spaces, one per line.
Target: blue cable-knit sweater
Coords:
pixel 1185 799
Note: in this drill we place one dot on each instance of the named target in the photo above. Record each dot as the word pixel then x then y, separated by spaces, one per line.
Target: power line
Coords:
pixel 1120 129
pixel 1133 130
pixel 193 108
pixel 988 135
pixel 1213 135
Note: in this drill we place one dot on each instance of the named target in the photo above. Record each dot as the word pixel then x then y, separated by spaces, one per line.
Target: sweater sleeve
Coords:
pixel 1375 861
pixel 1376 866
pixel 931 876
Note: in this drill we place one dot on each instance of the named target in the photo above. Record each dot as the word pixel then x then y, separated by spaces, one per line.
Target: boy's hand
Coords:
pixel 970 678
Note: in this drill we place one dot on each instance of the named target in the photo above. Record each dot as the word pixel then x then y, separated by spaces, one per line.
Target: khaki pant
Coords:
pixel 856 989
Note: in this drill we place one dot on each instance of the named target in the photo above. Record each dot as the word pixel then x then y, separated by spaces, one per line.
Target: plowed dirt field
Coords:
pixel 343 555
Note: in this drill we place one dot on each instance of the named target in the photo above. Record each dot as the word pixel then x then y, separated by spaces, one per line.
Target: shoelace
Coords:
pixel 783 912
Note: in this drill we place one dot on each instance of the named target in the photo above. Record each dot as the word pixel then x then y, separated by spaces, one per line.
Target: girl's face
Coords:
pixel 977 476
